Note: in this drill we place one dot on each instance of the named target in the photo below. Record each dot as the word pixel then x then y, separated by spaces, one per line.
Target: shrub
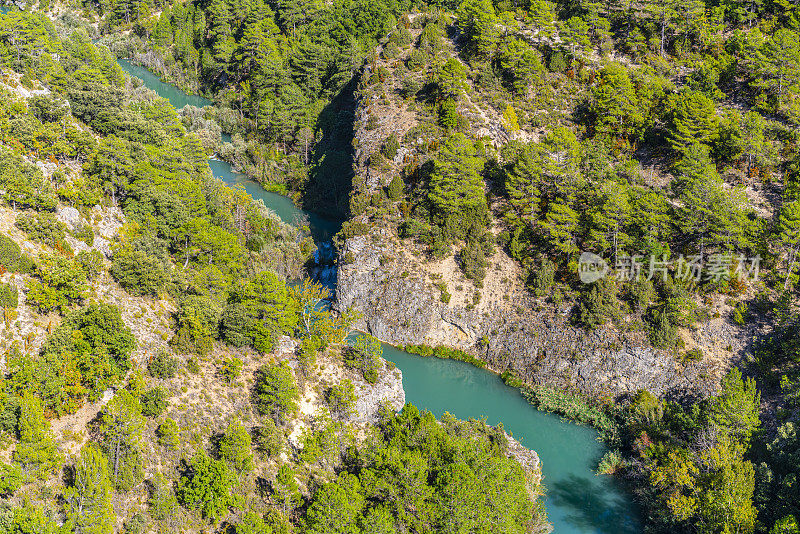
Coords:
pixel 447 114
pixel 9 297
pixel 91 261
pixel 235 448
pixel 11 478
pixel 445 353
pixel 154 402
pixel 692 355
pixel 395 189
pixel 268 439
pixel 364 355
pixel 472 260
pixel 543 277
pixel 197 325
pixel 390 147
pixel 85 234
pixel 341 399
pixel 192 366
pixel 162 503
pixel 138 272
pixel 44 228
pixel 231 368
pixel 168 433
pixel 12 258
pixel 162 365
pixel 598 304
pixel 610 463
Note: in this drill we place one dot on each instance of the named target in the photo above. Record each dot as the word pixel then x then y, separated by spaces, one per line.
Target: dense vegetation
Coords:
pixel 276 70
pixel 132 274
pixel 651 130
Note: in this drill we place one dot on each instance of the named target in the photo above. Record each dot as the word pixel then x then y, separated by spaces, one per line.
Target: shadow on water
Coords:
pixel 588 507
pixel 331 176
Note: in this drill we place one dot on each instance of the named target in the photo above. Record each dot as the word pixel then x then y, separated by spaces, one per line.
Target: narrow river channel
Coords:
pixel 577 501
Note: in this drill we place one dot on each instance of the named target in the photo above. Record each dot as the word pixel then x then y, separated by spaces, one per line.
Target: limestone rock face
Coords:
pixel 69 216
pixel 537 342
pixel 388 391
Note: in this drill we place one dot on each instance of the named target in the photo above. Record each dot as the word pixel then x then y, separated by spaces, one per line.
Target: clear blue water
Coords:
pixel 175 96
pixel 577 500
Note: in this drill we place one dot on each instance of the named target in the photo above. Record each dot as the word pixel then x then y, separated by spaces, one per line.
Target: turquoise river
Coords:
pixel 577 500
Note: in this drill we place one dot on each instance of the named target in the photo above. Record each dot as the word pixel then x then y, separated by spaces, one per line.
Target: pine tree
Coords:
pixel 777 65
pixel 610 217
pixel 693 120
pixel 236 448
pixel 121 426
pixel 88 500
pixel 36 452
pixel 478 21
pixel 456 188
pixel 560 227
pixel 789 234
pixel 615 104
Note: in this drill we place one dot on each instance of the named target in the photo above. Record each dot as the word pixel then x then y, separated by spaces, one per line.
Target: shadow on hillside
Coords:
pixel 331 177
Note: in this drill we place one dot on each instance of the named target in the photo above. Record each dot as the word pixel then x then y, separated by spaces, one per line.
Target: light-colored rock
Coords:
pixel 388 391
pixel 70 216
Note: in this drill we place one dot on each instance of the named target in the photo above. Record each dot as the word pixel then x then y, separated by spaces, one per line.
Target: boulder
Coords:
pixel 70 216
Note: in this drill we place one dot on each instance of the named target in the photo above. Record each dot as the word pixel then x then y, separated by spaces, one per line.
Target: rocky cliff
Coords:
pixel 405 297
pixel 400 305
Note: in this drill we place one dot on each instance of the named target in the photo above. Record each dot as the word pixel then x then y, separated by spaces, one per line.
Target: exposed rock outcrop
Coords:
pixel 536 341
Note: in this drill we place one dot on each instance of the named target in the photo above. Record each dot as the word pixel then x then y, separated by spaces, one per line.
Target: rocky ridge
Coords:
pixel 401 295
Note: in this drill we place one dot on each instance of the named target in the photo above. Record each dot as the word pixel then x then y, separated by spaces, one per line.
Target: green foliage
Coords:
pixel 735 411
pixel 693 120
pixel 276 392
pixel 446 353
pixel 44 228
pixel 197 322
pixel 154 401
pixel 573 407
pixel 9 297
pixel 61 282
pixel 598 304
pixel 11 478
pixel 395 189
pixel 121 427
pixel 459 490
pixel 341 399
pixel 88 500
pixel 364 354
pixel 235 448
pixel 162 365
pixel 162 502
pixel 168 433
pixel 268 439
pixel 206 485
pixel 259 312
pixel 610 463
pixel 456 189
pixel 23 184
pixel 36 452
pixel 11 257
pixel 138 272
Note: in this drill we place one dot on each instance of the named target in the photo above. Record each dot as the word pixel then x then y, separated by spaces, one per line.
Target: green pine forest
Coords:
pixel 624 128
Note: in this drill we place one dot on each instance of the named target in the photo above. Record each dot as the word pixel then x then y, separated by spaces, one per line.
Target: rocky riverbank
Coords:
pixel 399 304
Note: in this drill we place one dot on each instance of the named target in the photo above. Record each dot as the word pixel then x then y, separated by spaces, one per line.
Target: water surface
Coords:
pixel 577 501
